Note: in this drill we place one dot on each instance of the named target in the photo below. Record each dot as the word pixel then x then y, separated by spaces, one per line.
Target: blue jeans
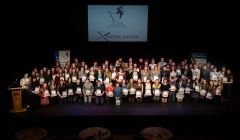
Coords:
pixel 99 100
pixel 171 97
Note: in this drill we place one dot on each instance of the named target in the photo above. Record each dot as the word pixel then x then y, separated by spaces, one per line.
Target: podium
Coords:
pixel 17 100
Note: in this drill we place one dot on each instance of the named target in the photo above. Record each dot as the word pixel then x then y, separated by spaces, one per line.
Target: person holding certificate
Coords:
pixel 44 94
pixel 196 90
pixel 172 93
pixel 145 74
pixel 227 86
pixel 62 92
pixel 99 75
pixel 99 93
pixel 120 76
pixel 139 91
pixel 69 86
pixel 155 73
pixel 124 91
pixel 203 90
pixel 132 90
pixel 88 91
pixel 165 90
pixel 109 93
pixel 148 91
pixel 77 88
pixel 156 90
pixel 53 90
pixel 188 90
pixel 218 92
pixel 210 91
pixel 34 101
pixel 118 94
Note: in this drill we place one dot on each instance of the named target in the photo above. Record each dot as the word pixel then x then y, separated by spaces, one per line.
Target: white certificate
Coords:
pixel 78 91
pixel 173 88
pixel 214 77
pixel 155 78
pixel 91 78
pixel 179 72
pixel 225 79
pixel 107 80
pixel 113 75
pixel 132 90
pixel 98 92
pixel 74 79
pixel 110 94
pixel 145 78
pixel 203 92
pixel 217 92
pixel 53 93
pixel 64 94
pixel 138 94
pixel 53 77
pixel 66 76
pixel 148 91
pixel 187 90
pixel 120 77
pixel 125 91
pixel 135 77
pixel 197 88
pixel 194 77
pixel 88 92
pixel 70 91
pixel 36 90
pixel 46 93
pixel 62 78
pixel 84 78
pixel 165 93
pixel 181 90
pixel 209 95
pixel 157 92
pixel 42 80
pixel 117 102
pixel 100 79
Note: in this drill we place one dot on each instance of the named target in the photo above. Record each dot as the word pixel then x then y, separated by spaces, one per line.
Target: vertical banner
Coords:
pixel 201 58
pixel 62 56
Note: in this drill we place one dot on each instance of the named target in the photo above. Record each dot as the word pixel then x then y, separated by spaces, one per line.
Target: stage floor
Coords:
pixel 131 109
pixel 187 121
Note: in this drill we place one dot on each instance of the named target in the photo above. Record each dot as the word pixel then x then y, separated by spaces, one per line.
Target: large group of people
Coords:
pixel 129 81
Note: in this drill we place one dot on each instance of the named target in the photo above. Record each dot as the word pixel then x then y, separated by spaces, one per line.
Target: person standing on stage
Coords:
pixel 44 94
pixel 156 90
pixel 227 86
pixel 148 91
pixel 25 84
pixel 99 91
pixel 88 91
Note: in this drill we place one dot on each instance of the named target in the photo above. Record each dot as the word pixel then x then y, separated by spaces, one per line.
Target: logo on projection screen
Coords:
pixel 116 17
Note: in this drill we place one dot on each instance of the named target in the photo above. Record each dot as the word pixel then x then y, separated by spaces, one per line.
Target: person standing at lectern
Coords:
pixel 25 84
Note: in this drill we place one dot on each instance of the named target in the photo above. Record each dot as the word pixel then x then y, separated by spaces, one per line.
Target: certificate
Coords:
pixel 36 90
pixel 197 88
pixel 88 92
pixel 194 77
pixel 218 92
pixel 214 77
pixel 125 91
pixel 138 94
pixel 209 95
pixel 173 88
pixel 120 77
pixel 165 94
pixel 203 92
pixel 78 91
pixel 64 94
pixel 53 93
pixel 46 93
pixel 148 92
pixel 84 78
pixel 107 80
pixel 53 77
pixel 98 92
pixel 157 92
pixel 74 79
pixel 187 90
pixel 117 101
pixel 70 91
pixel 42 80
pixel 110 94
pixel 132 90
pixel 66 76
pixel 224 79
pixel 62 78
pixel 113 75
pixel 91 78
pixel 155 78
pixel 135 77
pixel 144 78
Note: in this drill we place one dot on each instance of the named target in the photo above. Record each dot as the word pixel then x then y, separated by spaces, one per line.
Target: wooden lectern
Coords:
pixel 17 100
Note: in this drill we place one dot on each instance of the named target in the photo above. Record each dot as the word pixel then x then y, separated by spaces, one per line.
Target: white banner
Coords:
pixel 200 58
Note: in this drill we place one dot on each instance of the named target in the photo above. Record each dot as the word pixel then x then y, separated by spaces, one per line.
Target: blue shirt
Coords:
pixel 118 91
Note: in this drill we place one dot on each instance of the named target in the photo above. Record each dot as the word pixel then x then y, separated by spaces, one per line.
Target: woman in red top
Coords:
pixel 44 93
pixel 109 93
